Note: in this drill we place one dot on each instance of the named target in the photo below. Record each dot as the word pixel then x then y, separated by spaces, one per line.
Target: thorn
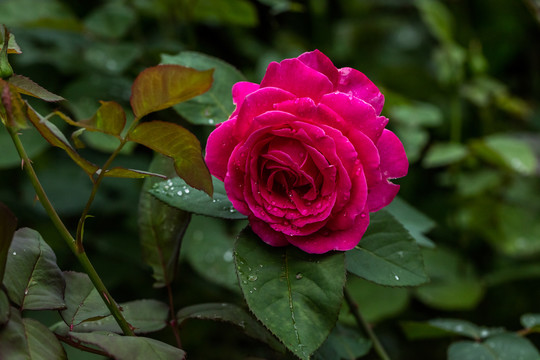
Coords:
pixel 106 297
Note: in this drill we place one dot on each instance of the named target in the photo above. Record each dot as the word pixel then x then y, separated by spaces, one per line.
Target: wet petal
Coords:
pixel 394 163
pixel 354 82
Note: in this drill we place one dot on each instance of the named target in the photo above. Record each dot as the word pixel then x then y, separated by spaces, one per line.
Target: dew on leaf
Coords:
pixel 299 276
pixel 252 277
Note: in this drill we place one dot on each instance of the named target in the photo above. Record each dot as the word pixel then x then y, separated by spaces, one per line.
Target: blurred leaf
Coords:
pixel 130 347
pixel 183 147
pixel 450 64
pixel 208 246
pixel 531 322
pixel 454 284
pixel 28 339
pixel 232 314
pixel 417 114
pixel 26 86
pixel 111 20
pixel 216 105
pixel 49 14
pixel 296 295
pixel 177 193
pixel 161 227
pixel 343 343
pixel 109 118
pixel 438 19
pixel 225 12
pixel 387 254
pixel 505 346
pixel 32 279
pixel 5 310
pixel 8 225
pixel 159 87
pixel 33 143
pixel 477 182
pixel 446 328
pixel 375 301
pixel 112 58
pixel 416 223
pixel 507 151
pixel 443 154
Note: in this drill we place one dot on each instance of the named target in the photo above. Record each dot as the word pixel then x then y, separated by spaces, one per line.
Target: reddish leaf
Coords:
pixel 182 146
pixel 162 86
pixel 109 118
pixel 26 86
pixel 12 109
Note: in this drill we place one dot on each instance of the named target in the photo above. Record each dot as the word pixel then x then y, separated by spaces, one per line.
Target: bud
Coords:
pixel 5 68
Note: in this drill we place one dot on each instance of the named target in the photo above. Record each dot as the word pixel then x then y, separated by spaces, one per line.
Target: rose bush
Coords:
pixel 306 156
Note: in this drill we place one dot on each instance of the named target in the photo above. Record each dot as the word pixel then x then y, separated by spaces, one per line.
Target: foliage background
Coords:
pixel 462 86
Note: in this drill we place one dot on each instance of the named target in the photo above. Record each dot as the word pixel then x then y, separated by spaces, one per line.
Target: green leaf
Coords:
pixel 438 19
pixel 13 47
pixel 296 295
pixel 111 20
pixel 177 193
pixel 161 227
pixel 387 254
pixel 174 141
pixel 33 143
pixel 130 347
pixel 8 225
pixel 208 247
pixel 32 279
pixel 5 310
pixel 413 220
pixel 454 284
pixel 447 328
pixel 216 105
pixel 230 12
pixel 377 302
pixel 531 322
pixel 28 339
pixel 507 346
pixel 109 119
pixel 49 14
pixel 343 343
pixel 443 154
pixel 159 87
pixel 86 311
pixel 26 86
pixel 232 314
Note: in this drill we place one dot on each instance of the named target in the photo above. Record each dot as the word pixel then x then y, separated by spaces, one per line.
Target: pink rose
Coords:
pixel 305 155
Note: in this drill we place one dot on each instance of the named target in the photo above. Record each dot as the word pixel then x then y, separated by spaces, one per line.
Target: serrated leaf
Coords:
pixel 208 247
pixel 109 119
pixel 296 295
pixel 183 147
pixel 454 284
pixel 161 227
pixel 413 220
pixel 86 311
pixel 26 86
pixel 507 346
pixel 159 87
pixel 531 321
pixel 28 339
pixel 232 314
pixel 343 343
pixel 177 193
pixel 8 225
pixel 387 254
pixel 32 279
pixel 216 105
pixel 130 347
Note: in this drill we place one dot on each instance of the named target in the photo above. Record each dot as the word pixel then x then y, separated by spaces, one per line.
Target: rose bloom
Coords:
pixel 306 156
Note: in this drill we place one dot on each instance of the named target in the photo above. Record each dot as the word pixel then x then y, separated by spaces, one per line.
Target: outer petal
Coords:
pixel 394 163
pixel 239 91
pixel 320 62
pixel 266 233
pixel 298 78
pixel 324 240
pixel 219 147
pixel 354 82
pixel 381 195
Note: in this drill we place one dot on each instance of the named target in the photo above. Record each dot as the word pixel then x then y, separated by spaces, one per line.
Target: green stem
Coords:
pixel 66 235
pixel 353 307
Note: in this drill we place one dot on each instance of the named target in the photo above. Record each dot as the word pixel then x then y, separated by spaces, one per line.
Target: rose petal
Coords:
pixel 381 195
pixel 320 62
pixel 285 75
pixel 239 91
pixel 266 233
pixel 219 147
pixel 394 163
pixel 325 240
pixel 354 82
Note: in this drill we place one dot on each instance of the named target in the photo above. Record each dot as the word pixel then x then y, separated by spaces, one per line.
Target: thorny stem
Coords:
pixel 353 307
pixel 174 321
pixel 66 235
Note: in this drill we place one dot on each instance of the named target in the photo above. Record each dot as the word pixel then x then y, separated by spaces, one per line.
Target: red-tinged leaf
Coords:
pixel 26 86
pixel 162 86
pixel 8 225
pixel 13 47
pixel 12 109
pixel 174 141
pixel 120 172
pixel 110 118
